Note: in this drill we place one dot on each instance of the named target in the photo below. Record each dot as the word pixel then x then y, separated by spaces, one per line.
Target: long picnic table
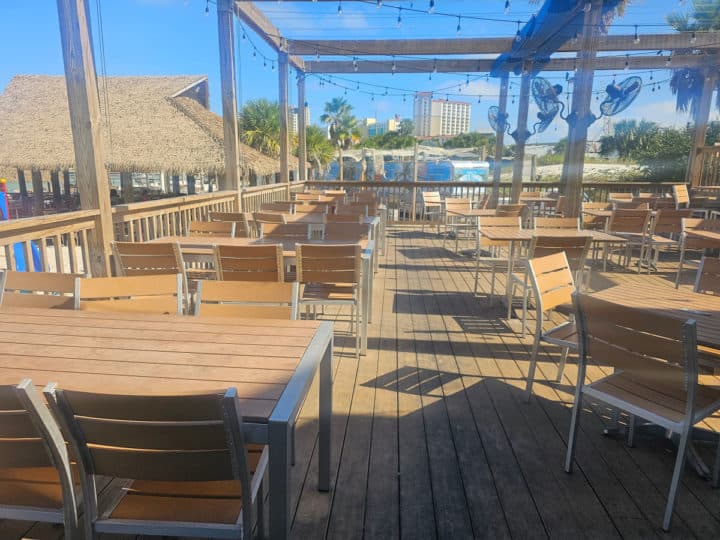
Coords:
pixel 271 363
pixel 202 246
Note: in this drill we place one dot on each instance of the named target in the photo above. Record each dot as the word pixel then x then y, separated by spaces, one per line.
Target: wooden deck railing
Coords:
pixel 254 197
pixel 710 166
pixel 399 195
pixel 138 222
pixel 54 243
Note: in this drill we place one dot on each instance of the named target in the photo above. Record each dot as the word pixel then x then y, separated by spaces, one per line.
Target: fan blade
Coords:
pixel 620 96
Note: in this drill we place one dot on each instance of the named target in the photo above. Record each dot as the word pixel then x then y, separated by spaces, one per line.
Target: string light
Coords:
pixel 669 60
pixel 693 38
pixel 431 7
pixel 434 70
pixel 587 7
pixel 399 19
pixel 459 28
pixel 627 62
pixel 379 4
pixel 393 67
pixel 637 37
pixel 517 34
pixel 479 99
pixel 467 80
pixel 507 7
pixel 355 63
pixel 207 7
pixel 339 10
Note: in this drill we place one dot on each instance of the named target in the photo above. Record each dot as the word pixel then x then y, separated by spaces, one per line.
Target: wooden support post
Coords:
pixel 66 183
pixel 55 184
pixel 126 187
pixel 415 179
pixel 521 134
pixel 22 184
pixel 702 116
pixel 176 184
pixel 580 117
pixel 38 197
pixel 90 174
pixel 340 161
pixel 302 144
pixel 226 41
pixel 499 139
pixel 191 184
pixel 283 99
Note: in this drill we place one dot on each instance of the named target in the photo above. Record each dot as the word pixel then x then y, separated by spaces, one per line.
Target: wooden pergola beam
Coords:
pixel 260 24
pixel 602 63
pixel 492 45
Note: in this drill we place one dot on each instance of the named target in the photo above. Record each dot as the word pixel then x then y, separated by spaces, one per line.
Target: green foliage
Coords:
pixel 407 127
pixel 392 140
pixel 560 147
pixel 628 137
pixel 319 149
pixel 343 125
pixel 470 140
pixel 713 133
pixel 259 126
pixel 663 157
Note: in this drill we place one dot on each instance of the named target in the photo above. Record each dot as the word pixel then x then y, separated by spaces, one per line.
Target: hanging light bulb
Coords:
pixel 517 34
pixel 479 99
pixel 637 37
pixel 403 98
pixel 207 7
pixel 587 7
pixel 627 62
pixel 386 91
pixel 317 54
pixel 244 36
pixel 399 19
pixel 339 10
pixel 372 98
pixel 651 75
pixel 393 67
pixel 447 98
pixel 358 86
pixel 431 7
pixel 467 80
pixel 507 7
pixel 379 4
pixel 693 38
pixel 434 66
pixel 355 63
pixel 254 52
pixel 459 28
pixel 272 66
pixel 669 60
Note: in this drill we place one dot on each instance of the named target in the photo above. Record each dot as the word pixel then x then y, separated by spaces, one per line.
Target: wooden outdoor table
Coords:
pixel 515 235
pixel 473 212
pixel 271 363
pixel 712 237
pixel 704 308
pixel 202 246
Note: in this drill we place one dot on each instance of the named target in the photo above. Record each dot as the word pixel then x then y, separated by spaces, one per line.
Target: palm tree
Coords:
pixel 687 83
pixel 342 126
pixel 259 125
pixel 319 150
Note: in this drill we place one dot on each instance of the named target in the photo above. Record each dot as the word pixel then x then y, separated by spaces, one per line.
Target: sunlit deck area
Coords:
pixel 432 437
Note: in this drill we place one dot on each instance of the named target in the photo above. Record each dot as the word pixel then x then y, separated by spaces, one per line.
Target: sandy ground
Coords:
pixel 591 170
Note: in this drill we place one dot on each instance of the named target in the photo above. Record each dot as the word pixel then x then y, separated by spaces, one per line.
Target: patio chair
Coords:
pixel 640 204
pixel 331 275
pixel 431 208
pixel 708 277
pixel 614 196
pixel 663 203
pixel 570 223
pixel 308 196
pixel 249 299
pixel 259 218
pixel 635 226
pixel 352 210
pixel 667 227
pixel 141 259
pixel 510 210
pixel 682 198
pixel 277 207
pixel 455 222
pixel 575 249
pixel 36 481
pixel 343 218
pixel 161 294
pixel 346 232
pixel 242 225
pixel 314 207
pixel 656 374
pixel 690 243
pixel 552 283
pixel 249 263
pixel 225 229
pixel 493 248
pixel 37 289
pixel 594 222
pixel 288 231
pixel 191 470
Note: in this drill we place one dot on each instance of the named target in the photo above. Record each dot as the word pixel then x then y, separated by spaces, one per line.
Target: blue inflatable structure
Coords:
pixel 18 249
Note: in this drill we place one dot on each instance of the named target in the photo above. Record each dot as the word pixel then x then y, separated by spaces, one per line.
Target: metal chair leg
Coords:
pixel 677 473
pixel 531 369
pixel 260 511
pixel 574 425
pixel 631 431
pixel 561 365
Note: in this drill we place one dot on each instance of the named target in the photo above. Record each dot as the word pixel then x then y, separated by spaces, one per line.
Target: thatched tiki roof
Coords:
pixel 149 124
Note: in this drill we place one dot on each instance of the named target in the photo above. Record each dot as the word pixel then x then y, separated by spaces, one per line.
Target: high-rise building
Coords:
pixel 293 118
pixel 440 117
pixel 369 127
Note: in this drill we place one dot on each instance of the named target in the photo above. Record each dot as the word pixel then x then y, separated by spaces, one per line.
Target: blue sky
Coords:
pixel 163 37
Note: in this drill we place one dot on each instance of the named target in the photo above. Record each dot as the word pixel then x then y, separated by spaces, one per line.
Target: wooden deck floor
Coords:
pixel 432 437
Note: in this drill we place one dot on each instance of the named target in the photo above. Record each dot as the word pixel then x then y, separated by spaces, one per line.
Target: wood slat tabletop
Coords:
pixel 704 308
pixel 515 234
pixel 713 236
pixel 139 353
pixel 317 219
pixel 205 243
pixel 473 212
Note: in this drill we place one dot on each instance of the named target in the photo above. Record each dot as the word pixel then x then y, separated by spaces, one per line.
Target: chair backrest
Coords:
pixel 681 195
pixel 620 196
pixel 31 438
pixel 629 221
pixel 645 195
pixel 697 224
pixel 454 204
pixel 654 350
pixel 314 208
pixel 249 263
pixel 557 223
pixel 184 438
pixel 530 195
pixel 224 229
pixel 307 196
pixel 242 227
pixel 560 205
pixel 351 210
pixel 632 205
pixel 663 203
pixel 708 276
pixel 509 210
pixel 343 218
pixel 575 248
pixel 249 299
pixel 37 289
pixel 366 196
pixel 268 217
pixel 296 231
pixel 140 259
pixel 162 294
pixel 283 208
pixel 669 220
pixel 339 263
pixel 431 198
pixel 334 193
pixel 346 232
pixel 552 281
pixel 513 222
pixel 596 206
